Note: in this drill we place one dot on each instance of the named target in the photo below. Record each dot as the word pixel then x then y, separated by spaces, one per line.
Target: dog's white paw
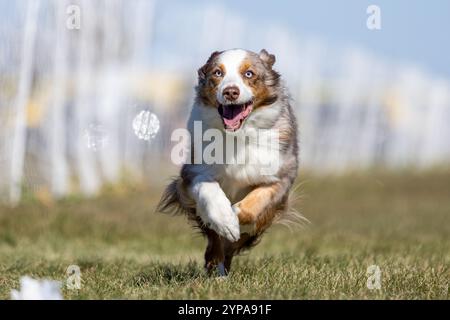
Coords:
pixel 224 222
pixel 218 215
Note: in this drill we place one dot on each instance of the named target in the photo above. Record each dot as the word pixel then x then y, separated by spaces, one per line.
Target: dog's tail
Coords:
pixel 291 216
pixel 174 199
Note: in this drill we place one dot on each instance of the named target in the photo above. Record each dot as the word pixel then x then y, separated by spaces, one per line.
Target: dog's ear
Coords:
pixel 202 74
pixel 202 71
pixel 267 57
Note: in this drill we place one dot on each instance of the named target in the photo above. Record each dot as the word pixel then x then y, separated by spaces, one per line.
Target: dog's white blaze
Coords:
pixel 232 60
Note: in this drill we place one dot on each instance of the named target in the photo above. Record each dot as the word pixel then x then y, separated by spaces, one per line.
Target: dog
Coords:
pixel 238 94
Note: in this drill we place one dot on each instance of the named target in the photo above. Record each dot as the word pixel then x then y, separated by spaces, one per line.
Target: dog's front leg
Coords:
pixel 214 208
pixel 259 207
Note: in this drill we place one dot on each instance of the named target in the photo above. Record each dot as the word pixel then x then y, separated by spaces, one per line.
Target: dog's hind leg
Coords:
pixel 233 248
pixel 229 251
pixel 214 254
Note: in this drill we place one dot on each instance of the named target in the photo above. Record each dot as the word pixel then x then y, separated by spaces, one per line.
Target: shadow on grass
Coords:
pixel 168 273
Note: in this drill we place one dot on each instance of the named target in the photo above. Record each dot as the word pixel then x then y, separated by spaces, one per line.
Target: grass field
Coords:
pixel 400 222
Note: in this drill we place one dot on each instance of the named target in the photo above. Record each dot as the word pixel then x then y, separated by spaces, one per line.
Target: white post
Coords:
pixel 85 80
pixel 23 93
pixel 59 170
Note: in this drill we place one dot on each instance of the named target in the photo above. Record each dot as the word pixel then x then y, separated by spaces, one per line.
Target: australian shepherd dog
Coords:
pixel 234 201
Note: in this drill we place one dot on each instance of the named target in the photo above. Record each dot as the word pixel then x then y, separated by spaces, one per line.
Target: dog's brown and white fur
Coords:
pixel 233 204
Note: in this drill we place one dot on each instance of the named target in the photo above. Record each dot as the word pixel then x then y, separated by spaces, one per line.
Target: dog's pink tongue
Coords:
pixel 232 116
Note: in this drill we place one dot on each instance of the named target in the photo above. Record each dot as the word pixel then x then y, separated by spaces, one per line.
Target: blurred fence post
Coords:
pixel 23 92
pixel 58 159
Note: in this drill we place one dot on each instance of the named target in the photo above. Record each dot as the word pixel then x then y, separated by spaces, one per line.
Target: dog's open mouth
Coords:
pixel 233 115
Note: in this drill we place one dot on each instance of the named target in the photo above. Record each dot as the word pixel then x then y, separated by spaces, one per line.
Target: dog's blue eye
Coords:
pixel 218 73
pixel 249 74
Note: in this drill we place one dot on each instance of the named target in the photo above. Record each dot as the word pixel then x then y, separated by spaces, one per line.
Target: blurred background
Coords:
pixel 90 91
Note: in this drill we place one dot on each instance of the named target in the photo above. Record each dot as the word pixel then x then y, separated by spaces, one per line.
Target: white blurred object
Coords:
pixel 95 136
pixel 32 289
pixel 146 125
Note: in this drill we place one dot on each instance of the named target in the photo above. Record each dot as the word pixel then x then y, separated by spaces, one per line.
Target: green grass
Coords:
pixel 400 222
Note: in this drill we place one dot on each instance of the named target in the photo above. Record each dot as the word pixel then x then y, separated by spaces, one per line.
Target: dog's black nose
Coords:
pixel 231 93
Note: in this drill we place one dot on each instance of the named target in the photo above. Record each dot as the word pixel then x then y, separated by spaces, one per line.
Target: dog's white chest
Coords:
pixel 250 164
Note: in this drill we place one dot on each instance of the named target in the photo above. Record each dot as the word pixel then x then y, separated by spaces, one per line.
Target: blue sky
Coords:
pixel 413 31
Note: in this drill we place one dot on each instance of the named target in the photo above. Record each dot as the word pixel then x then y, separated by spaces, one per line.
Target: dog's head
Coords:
pixel 236 82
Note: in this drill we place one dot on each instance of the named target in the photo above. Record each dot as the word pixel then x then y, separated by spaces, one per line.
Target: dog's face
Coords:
pixel 236 82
